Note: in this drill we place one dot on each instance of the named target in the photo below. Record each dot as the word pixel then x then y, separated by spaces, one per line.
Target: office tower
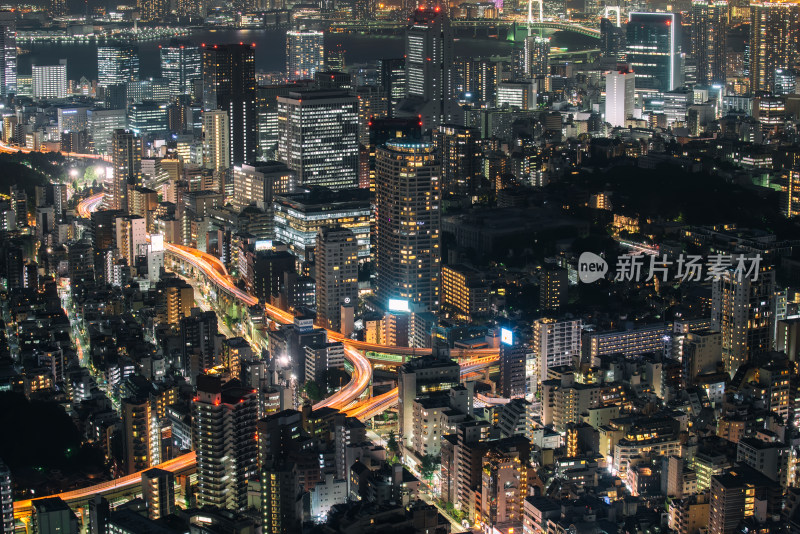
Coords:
pixel 182 65
pixel 318 137
pixel 742 310
pixel 654 50
pixel 53 516
pixel 102 124
pixel 152 10
pixel 620 94
pixel 518 95
pixel 147 118
pixel 6 500
pixel 408 223
pixel 709 29
pixel 465 292
pixel 224 427
pixel 429 68
pixel 553 284
pixel 299 217
pixel 555 344
pixel 422 376
pixel 137 424
pixel 117 64
pixel 158 490
pixel 49 81
pixel 216 140
pixel 537 56
pixel 257 185
pixel 460 152
pixel 8 53
pixel 229 83
pixel 305 54
pixel 392 78
pixel 336 275
pixel 774 30
pixel 512 370
pixel 612 40
pixel 126 168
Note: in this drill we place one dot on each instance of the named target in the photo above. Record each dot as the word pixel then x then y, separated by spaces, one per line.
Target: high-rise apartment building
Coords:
pixel 6 500
pixel 117 64
pixel 513 358
pixel 126 168
pixel 774 28
pixel 158 490
pixel 49 81
pixel 182 65
pixel 216 140
pixel 8 53
pixel 229 84
pixel 654 50
pixel 318 137
pixel 137 425
pixel 734 495
pixel 536 54
pixel 408 219
pixel 742 310
pixel 152 10
pixel 336 274
pixel 555 344
pixel 553 286
pixel 429 57
pixel 224 426
pixel 709 30
pixel 620 94
pixel 460 153
pixel 305 54
pixel 422 376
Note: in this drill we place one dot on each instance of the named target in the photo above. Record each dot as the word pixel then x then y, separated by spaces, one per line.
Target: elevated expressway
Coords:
pixel 344 399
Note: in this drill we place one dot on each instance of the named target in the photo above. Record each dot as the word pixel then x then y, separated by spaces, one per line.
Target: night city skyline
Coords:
pixel 372 266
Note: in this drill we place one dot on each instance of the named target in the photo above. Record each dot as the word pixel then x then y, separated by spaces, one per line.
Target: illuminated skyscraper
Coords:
pixel 229 83
pixel 709 28
pixel 460 152
pixel 117 64
pixel 336 274
pixel 407 198
pixel 8 53
pixel 181 64
pixel 305 54
pixel 620 95
pixel 318 137
pixel 152 10
pixel 126 168
pixel 49 81
pixel 429 68
pixel 224 428
pixel 537 56
pixel 790 193
pixel 654 50
pixel 216 140
pixel 743 310
pixel 773 41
